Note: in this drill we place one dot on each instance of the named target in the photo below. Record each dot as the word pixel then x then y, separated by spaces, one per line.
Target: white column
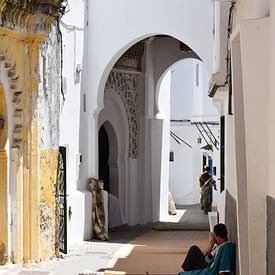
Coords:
pixel 149 105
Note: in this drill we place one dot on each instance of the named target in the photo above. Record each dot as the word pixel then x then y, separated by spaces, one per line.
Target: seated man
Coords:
pixel 218 259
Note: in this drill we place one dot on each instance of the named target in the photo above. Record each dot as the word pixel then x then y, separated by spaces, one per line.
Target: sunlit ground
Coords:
pixel 176 218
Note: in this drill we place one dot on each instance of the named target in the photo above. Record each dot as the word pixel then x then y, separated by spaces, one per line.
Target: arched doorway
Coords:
pixel 146 184
pixel 103 158
pixel 108 158
pixel 190 122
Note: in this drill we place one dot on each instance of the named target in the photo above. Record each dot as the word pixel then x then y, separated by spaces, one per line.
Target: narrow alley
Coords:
pixel 135 250
pixel 113 112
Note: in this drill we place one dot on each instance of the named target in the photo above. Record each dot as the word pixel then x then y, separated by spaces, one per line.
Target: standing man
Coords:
pixel 206 184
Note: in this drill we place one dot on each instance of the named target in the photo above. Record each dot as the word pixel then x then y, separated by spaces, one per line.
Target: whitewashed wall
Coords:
pixel 181 90
pixel 105 43
pixel 181 179
pixel 189 101
pixel 101 54
pixel 72 36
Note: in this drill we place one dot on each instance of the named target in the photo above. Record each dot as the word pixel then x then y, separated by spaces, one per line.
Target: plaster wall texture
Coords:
pixel 181 90
pixel 209 111
pixel 7 182
pixel 181 180
pixel 72 29
pixel 114 113
pixel 254 35
pixel 49 91
pixel 197 91
pixel 251 9
pixel 271 111
pixel 230 157
pixel 240 165
pixel 49 111
pixel 164 106
pixel 166 53
pixel 187 166
pixel 152 23
pixel 189 100
pixel 101 56
pixel 221 13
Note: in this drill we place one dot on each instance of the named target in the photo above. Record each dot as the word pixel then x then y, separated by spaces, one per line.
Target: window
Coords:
pixel 171 156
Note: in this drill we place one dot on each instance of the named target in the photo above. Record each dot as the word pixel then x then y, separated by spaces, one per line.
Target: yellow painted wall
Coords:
pixel 3 181
pixel 34 225
pixel 48 178
pixel 3 114
pixel 3 208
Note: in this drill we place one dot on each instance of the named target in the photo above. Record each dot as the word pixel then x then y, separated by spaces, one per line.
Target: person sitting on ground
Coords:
pixel 218 259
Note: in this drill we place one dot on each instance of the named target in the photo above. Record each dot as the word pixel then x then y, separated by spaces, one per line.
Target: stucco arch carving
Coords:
pixel 14 95
pixel 8 78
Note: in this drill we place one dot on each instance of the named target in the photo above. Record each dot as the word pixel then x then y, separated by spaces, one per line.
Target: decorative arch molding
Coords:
pixel 126 85
pixel 115 113
pixel 9 78
pixel 30 16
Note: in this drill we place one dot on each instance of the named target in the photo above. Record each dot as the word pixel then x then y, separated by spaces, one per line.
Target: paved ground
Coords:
pixel 85 258
pixel 188 217
pixel 93 256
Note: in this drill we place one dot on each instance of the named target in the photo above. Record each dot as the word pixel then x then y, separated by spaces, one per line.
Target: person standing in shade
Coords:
pixel 207 183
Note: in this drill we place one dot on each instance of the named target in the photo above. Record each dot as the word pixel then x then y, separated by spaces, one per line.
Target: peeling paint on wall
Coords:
pixel 48 176
pixel 49 90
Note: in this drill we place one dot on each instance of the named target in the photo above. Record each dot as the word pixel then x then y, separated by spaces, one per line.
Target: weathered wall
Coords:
pixel 47 215
pixel 49 106
pixel 3 180
pixel 270 236
pixel 3 208
pixel 49 90
pixel 24 25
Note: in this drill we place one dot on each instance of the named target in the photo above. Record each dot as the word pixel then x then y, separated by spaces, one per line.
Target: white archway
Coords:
pixel 192 25
pixel 191 106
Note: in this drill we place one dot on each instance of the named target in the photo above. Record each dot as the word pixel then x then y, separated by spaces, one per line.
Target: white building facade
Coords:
pixel 126 55
pixel 194 125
